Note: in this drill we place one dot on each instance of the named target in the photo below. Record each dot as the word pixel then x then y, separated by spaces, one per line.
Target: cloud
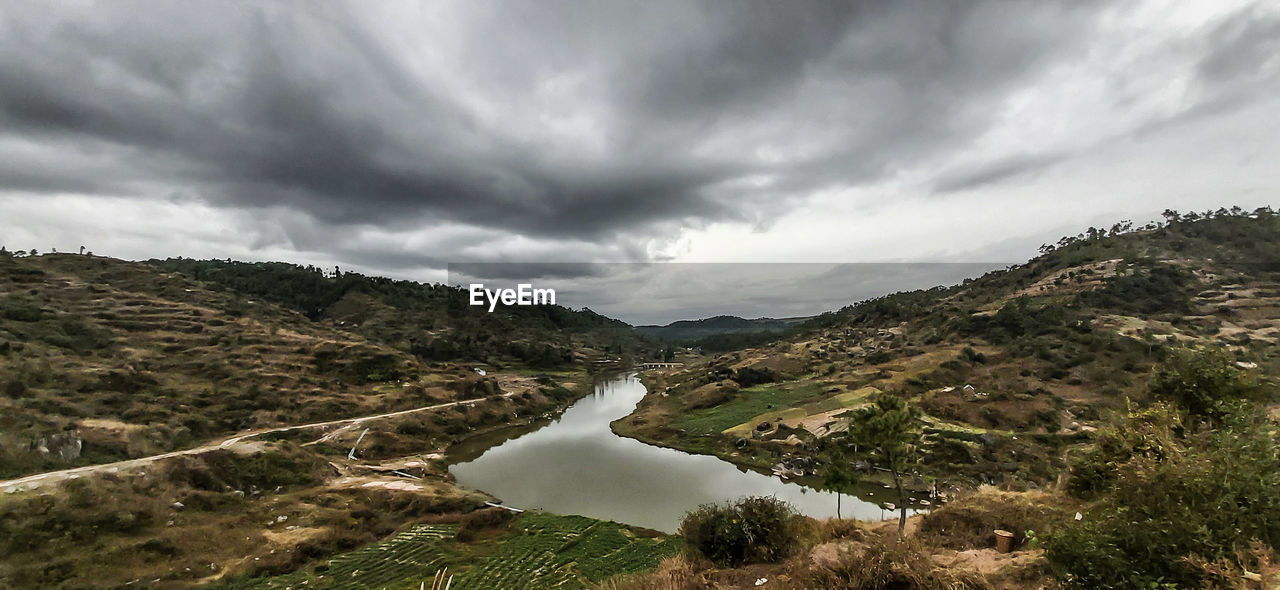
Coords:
pixel 400 137
pixel 319 110
pixel 997 171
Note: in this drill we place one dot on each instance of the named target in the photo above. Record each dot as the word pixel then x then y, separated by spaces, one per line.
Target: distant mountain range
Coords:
pixel 687 331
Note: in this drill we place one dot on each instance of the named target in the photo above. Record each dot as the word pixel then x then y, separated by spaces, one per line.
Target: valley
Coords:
pixel 179 423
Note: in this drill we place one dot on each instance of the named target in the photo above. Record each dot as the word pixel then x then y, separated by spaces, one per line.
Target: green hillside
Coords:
pixel 1046 349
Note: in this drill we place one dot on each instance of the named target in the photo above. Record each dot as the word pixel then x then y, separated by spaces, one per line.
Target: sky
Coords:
pixel 398 138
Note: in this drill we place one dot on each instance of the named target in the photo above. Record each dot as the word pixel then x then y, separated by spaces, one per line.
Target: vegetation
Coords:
pixel 878 565
pixel 750 530
pixel 1205 382
pixel 721 333
pixel 1143 357
pixel 431 321
pixel 717 343
pixel 970 520
pixel 746 405
pixel 1192 493
pixel 888 431
pixel 535 550
pixel 1195 481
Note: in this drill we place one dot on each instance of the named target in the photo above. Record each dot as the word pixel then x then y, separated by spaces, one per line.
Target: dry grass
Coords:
pixel 969 522
pixel 674 573
pixel 881 565
pixel 108 530
pixel 1260 570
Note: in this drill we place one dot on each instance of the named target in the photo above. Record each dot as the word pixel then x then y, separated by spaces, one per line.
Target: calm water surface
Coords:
pixel 577 465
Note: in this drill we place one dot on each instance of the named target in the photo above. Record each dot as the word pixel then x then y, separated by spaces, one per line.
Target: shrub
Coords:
pixel 750 530
pixel 748 376
pixel 1207 495
pixel 1201 380
pixel 15 388
pixel 1150 432
pixel 973 356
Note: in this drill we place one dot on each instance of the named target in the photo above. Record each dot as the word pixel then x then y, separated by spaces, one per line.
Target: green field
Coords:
pixel 749 403
pixel 540 550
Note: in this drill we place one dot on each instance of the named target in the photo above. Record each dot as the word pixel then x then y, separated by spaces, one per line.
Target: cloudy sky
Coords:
pixel 397 138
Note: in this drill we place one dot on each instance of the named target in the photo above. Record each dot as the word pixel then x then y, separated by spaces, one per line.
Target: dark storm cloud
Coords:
pixel 1242 47
pixel 323 109
pixel 1000 170
pixel 1237 64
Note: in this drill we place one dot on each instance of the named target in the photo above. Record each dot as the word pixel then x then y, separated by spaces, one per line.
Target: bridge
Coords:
pixel 660 365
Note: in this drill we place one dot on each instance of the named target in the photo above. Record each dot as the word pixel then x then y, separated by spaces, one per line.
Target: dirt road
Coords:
pixel 35 481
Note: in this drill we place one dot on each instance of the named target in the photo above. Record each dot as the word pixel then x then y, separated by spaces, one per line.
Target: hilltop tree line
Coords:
pixel 1248 241
pixel 431 321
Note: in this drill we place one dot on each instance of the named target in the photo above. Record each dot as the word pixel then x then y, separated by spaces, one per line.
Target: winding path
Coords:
pixel 35 481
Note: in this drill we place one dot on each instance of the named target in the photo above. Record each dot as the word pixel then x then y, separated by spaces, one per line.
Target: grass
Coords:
pixel 539 550
pixel 748 404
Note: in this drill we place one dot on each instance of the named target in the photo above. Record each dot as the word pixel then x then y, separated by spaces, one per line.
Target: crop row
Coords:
pixel 539 550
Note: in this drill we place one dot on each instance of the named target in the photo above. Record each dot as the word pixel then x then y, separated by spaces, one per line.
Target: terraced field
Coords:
pixel 747 405
pixel 549 551
pixel 540 550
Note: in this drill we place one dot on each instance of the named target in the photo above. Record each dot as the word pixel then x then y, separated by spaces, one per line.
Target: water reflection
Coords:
pixel 577 465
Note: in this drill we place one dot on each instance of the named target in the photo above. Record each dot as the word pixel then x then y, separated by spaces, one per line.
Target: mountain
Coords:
pixel 721 333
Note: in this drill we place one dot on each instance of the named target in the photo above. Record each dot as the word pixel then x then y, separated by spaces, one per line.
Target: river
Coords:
pixel 577 465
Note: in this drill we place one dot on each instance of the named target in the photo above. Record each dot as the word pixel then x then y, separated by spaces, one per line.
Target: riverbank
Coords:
pixel 647 424
pixel 770 427
pixel 575 464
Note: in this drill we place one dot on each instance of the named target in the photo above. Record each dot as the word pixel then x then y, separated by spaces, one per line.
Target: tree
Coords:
pixel 839 478
pixel 888 431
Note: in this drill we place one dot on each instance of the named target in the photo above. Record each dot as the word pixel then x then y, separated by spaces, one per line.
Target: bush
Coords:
pixel 748 376
pixel 1206 495
pixel 1201 380
pixel 1149 432
pixel 750 530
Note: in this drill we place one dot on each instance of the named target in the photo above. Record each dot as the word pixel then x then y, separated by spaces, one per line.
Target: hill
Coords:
pixel 1011 369
pixel 722 333
pixel 690 330
pixel 431 321
pixel 141 358
pixel 160 421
